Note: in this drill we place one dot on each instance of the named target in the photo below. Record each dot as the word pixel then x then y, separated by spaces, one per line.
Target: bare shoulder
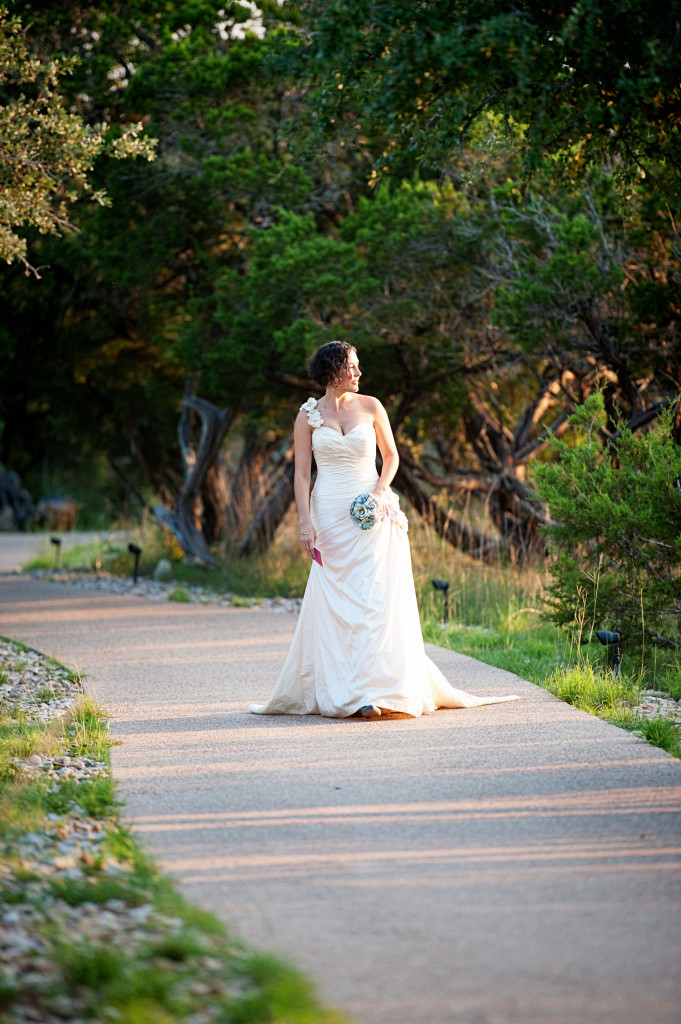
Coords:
pixel 370 405
pixel 302 421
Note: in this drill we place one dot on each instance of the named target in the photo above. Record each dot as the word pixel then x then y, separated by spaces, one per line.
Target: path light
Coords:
pixel 609 639
pixel 134 550
pixel 443 585
pixel 57 543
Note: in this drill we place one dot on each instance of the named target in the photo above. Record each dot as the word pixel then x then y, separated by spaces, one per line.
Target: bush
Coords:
pixel 617 542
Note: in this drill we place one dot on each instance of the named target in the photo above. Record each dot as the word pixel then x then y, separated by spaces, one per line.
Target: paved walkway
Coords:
pixel 512 864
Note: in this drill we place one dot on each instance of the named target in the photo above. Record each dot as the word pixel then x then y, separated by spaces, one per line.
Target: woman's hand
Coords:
pixel 308 538
pixel 380 496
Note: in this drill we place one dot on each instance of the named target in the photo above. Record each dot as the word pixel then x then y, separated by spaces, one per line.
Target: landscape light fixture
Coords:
pixel 134 550
pixel 443 585
pixel 610 639
pixel 57 543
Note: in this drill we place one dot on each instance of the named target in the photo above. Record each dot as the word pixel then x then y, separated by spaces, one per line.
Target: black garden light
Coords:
pixel 57 543
pixel 443 586
pixel 134 550
pixel 610 639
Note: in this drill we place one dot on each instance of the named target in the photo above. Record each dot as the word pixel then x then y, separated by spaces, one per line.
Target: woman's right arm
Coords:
pixel 302 442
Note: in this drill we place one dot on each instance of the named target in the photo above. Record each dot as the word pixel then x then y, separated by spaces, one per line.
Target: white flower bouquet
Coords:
pixel 364 511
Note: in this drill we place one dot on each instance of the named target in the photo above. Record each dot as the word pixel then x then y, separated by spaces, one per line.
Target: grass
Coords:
pixel 176 963
pixel 496 617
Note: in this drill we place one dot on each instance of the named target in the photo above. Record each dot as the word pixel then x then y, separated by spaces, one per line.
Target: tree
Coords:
pixel 617 539
pixel 484 310
pixel 47 152
pixel 97 353
pixel 580 83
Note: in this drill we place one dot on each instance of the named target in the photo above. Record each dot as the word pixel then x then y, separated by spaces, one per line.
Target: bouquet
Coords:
pixel 364 511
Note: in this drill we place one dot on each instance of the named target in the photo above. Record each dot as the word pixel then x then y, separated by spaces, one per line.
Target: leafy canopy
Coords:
pixel 47 153
pixel 580 81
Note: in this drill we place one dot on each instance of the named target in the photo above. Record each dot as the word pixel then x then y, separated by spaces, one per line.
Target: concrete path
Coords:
pixel 512 864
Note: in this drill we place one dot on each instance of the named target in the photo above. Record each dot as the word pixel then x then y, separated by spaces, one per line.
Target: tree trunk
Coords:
pixel 248 486
pixel 183 520
pixel 458 534
pixel 213 501
pixel 518 522
pixel 272 512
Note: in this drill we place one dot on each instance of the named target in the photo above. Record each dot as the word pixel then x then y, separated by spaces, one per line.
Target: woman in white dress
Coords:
pixel 357 648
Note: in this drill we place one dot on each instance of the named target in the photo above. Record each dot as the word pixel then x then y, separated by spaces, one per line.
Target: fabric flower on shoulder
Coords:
pixel 314 418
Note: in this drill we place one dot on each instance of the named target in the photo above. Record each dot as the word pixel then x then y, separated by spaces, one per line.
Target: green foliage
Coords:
pixel 100 889
pixel 117 295
pixel 279 993
pixel 95 796
pixel 575 81
pixel 561 270
pixel 617 542
pixel 481 309
pixel 47 152
pixel 583 686
pixel 270 320
pixel 88 730
pixel 660 732
pixel 88 965
pixel 669 680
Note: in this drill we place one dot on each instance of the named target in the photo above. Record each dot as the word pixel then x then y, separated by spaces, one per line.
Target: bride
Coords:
pixel 357 648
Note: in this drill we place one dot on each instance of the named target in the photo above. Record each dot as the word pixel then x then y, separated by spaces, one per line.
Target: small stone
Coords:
pixel 42 965
pixel 199 988
pixel 35 759
pixel 64 861
pixel 163 570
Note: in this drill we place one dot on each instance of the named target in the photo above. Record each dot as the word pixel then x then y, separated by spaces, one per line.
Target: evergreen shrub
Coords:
pixel 616 539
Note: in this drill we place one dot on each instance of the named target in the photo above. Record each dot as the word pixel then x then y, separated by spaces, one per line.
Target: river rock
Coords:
pixel 163 570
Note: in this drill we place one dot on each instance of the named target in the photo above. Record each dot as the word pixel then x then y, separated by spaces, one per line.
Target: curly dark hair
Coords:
pixel 328 363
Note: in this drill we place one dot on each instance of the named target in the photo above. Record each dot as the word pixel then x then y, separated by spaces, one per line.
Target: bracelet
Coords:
pixel 307 533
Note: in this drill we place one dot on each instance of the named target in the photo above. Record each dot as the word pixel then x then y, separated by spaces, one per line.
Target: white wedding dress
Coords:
pixel 358 639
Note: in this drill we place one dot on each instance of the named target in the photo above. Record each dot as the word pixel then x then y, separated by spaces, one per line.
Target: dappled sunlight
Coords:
pixel 660 800
pixel 85 609
pixel 55 611
pixel 484 863
pixel 197 646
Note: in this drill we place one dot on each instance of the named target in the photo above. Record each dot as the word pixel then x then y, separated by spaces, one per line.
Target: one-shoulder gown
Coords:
pixel 358 639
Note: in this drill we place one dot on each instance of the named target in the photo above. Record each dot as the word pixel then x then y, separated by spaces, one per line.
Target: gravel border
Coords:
pixel 162 590
pixel 38 923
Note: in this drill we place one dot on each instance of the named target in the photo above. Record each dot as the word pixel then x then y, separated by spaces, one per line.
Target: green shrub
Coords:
pixel 617 543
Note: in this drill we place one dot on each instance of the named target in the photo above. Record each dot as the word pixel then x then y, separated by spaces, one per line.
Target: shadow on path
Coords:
pixel 505 864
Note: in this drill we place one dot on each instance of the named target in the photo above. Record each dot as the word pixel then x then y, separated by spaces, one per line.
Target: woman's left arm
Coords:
pixel 388 450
